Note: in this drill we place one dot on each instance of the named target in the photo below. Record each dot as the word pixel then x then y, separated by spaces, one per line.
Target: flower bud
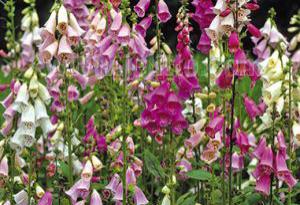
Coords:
pixel 39 191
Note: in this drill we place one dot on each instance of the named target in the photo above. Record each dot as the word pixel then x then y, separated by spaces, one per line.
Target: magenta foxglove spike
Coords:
pixel 163 12
pixel 142 7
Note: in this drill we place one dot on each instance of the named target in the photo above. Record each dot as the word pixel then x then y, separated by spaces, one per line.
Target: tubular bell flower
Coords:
pixel 142 7
pixel 163 12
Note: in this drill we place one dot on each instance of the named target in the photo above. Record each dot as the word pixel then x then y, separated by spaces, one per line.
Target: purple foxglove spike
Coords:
pixel 179 124
pixel 79 190
pixel 163 12
pixel 73 93
pixel 124 34
pixel 243 142
pixel 266 160
pixel 130 177
pixel 162 117
pixel 281 144
pixel 160 94
pixel 240 65
pixel 260 48
pixel 185 87
pixel 4 167
pixel 46 199
pixel 214 126
pixel 233 42
pixel 117 23
pixel 139 197
pixel 237 162
pixel 209 155
pixel 146 118
pixel 101 144
pixel 173 104
pixel 259 150
pixel 119 193
pixel 263 184
pixel 95 198
pixel 253 30
pixel 194 140
pixel 251 108
pixel 224 80
pixel 143 26
pixel 110 54
pixel 113 184
pixel 141 8
pixel 204 44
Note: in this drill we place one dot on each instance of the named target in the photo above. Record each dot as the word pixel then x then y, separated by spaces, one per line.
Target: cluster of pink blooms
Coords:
pixel 86 43
pixel 271 163
pixel 163 109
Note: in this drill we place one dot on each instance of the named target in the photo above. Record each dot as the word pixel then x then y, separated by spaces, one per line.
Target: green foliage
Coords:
pixel 200 175
pixel 152 164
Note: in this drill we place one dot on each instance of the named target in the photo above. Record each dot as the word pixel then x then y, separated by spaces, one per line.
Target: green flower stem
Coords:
pixel 158 34
pixel 68 128
pixel 289 126
pixel 124 147
pixel 224 152
pixel 231 140
pixel 273 149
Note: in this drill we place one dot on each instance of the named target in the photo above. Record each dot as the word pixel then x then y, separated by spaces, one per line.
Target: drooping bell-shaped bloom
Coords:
pixel 173 104
pixel 73 93
pixel 237 162
pixel 64 53
pixel 117 23
pixel 95 198
pixel 62 20
pixel 124 34
pixel 113 184
pixel 233 42
pixel 139 197
pixel 141 8
pixel 194 140
pixel 224 80
pixel 4 167
pixel 179 124
pixel 87 171
pixel 209 155
pixel 204 44
pixel 263 184
pixel 266 161
pixel 21 198
pixel 143 25
pixel 46 199
pixel 185 87
pixel 79 190
pixel 22 98
pixel 243 141
pixel 214 126
pixel 48 31
pixel 251 108
pixel 163 12
pixel 240 66
pixel 86 98
pixel 282 171
pixel 214 29
pixel 253 30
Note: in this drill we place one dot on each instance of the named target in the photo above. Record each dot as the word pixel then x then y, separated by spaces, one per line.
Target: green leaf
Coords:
pixel 153 164
pixel 181 199
pixel 216 196
pixel 200 175
pixel 243 86
pixel 254 198
pixel 64 168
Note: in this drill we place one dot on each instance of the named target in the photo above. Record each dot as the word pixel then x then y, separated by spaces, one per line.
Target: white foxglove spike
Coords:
pixel 227 24
pixel 33 86
pixel 21 198
pixel 272 93
pixel 28 118
pixel 46 126
pixel 62 20
pixel 50 26
pixel 16 142
pixel 77 165
pixel 74 24
pixel 22 98
pixel 40 110
pixel 213 30
pixel 44 94
pixel 220 6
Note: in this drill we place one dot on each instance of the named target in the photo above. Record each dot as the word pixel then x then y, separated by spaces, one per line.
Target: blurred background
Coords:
pixel 285 10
